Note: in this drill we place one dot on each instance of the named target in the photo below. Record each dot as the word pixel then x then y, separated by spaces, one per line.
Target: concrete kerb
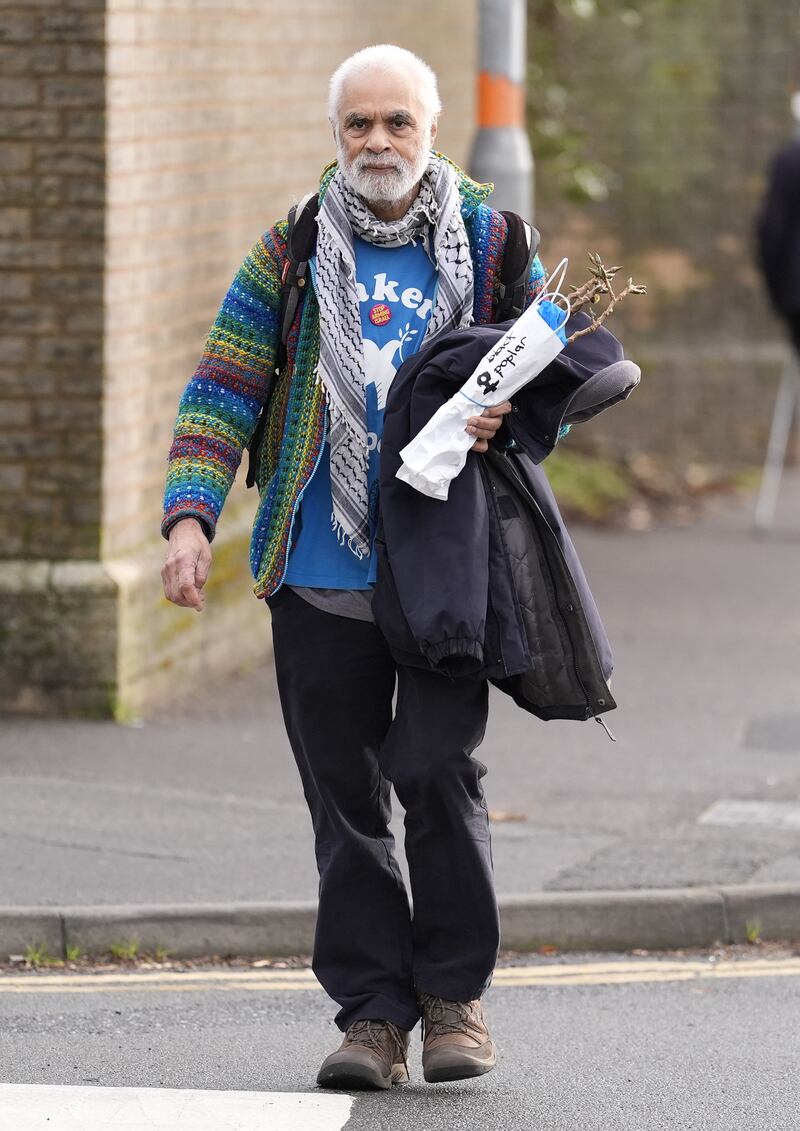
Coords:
pixel 190 931
pixel 569 921
pixel 614 920
pixel 39 927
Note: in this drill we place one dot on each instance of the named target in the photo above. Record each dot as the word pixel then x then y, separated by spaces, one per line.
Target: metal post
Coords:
pixel 501 151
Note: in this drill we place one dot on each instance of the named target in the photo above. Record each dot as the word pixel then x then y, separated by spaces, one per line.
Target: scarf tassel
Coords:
pixel 348 540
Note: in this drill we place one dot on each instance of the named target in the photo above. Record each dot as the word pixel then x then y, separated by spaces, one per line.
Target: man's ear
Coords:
pixel 434 129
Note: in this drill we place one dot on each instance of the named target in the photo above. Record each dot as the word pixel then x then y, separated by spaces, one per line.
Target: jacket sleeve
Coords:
pixel 219 407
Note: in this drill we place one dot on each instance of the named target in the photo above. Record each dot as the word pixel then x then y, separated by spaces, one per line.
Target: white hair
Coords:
pixel 386 57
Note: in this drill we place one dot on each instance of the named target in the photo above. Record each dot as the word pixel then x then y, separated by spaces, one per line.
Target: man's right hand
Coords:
pixel 185 571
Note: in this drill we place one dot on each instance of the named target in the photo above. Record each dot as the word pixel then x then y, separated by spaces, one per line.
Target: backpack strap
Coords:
pixel 522 244
pixel 301 242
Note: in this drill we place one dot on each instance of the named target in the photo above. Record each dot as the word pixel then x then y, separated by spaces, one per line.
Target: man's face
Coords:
pixel 383 136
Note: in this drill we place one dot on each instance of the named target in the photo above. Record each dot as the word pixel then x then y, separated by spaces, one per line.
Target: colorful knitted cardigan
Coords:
pixel 220 405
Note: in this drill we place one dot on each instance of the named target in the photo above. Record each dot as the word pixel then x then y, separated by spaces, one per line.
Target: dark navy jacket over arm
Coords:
pixel 445 595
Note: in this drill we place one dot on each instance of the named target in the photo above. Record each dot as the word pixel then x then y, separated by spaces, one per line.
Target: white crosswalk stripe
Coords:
pixel 46 1107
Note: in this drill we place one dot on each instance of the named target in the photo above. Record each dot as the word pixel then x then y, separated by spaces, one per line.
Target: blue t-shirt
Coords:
pixel 396 292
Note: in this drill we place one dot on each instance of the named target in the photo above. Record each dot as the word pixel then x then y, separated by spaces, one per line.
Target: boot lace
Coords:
pixel 440 1016
pixel 372 1034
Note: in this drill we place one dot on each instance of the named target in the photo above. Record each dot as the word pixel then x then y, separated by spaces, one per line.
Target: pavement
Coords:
pixel 190 829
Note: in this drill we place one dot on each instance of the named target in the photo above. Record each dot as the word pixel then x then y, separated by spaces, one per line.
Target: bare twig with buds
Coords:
pixel 600 283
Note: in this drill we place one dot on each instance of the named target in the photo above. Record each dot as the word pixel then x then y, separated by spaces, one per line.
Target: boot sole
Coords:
pixel 360 1077
pixel 465 1070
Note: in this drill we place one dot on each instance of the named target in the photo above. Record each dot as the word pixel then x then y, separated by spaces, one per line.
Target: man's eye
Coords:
pixel 358 124
pixel 399 123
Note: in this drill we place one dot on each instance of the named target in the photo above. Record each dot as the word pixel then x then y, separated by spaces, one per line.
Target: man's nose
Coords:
pixel 378 139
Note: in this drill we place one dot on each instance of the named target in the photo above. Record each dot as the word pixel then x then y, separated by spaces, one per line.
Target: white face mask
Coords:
pixel 384 187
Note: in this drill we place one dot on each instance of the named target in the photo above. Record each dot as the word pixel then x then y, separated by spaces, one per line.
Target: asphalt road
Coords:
pixel 639 1043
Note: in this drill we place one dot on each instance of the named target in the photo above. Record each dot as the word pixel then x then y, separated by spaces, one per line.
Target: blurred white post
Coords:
pixel 785 403
pixel 783 414
pixel 501 151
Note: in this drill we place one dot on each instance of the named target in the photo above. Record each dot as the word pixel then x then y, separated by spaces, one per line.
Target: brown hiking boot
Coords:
pixel 456 1044
pixel 372 1055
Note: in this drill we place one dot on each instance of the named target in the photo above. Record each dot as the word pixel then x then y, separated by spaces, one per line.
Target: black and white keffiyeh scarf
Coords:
pixel 435 213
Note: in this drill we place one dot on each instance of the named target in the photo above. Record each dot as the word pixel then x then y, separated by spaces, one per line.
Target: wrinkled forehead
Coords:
pixel 380 93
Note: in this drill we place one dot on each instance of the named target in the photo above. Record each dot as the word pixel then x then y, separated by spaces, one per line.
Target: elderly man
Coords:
pixel 406 251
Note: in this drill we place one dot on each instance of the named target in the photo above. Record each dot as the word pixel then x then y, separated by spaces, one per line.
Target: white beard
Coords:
pixel 382 188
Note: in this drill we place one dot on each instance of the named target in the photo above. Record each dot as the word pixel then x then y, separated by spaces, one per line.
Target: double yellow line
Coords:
pixel 644 970
pixel 552 976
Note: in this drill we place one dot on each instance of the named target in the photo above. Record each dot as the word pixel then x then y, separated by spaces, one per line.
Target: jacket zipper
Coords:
pixel 495 508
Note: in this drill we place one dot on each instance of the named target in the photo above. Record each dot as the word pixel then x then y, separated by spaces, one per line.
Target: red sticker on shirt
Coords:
pixel 380 314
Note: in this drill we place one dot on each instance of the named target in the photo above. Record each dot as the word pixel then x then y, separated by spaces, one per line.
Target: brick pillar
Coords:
pixel 57 615
pixel 149 145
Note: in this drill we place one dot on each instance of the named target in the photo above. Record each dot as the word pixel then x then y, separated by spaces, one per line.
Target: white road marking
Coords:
pixel 48 1107
pixel 767 814
pixel 552 974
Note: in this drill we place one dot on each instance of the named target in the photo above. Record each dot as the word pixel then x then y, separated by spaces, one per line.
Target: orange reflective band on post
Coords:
pixel 501 102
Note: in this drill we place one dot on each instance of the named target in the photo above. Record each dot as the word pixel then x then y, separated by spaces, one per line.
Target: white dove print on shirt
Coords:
pixel 381 363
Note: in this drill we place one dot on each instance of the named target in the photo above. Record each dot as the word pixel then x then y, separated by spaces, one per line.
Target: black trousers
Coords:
pixel 336 680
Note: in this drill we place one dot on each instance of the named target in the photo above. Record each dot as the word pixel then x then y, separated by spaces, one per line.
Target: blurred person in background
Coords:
pixel 779 231
pixel 406 250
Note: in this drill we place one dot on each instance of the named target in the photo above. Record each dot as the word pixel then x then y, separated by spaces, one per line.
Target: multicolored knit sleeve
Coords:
pixel 219 407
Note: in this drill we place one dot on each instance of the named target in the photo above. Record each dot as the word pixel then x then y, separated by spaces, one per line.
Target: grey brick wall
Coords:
pixel 52 165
